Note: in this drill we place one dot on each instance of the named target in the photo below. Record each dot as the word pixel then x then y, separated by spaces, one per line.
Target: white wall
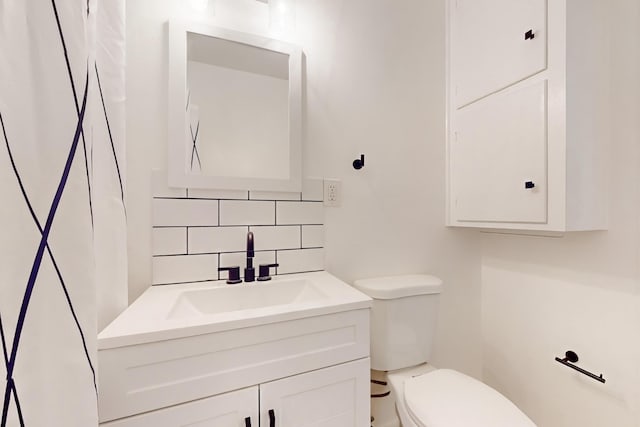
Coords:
pixel 374 85
pixel 376 82
pixel 543 296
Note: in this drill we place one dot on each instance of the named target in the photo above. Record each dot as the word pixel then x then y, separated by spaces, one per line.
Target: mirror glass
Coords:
pixel 240 111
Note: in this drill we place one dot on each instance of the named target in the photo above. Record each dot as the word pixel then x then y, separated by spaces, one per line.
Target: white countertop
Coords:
pixel 149 318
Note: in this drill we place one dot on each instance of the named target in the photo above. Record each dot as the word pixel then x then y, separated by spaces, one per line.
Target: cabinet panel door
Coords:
pixel 224 410
pixel 498 152
pixel 490 50
pixel 331 397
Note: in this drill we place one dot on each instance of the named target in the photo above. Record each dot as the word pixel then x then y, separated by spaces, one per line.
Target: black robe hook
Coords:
pixel 359 163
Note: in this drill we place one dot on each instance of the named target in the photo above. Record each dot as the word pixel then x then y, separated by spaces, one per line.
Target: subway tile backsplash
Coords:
pixel 312 236
pixel 247 212
pixel 184 212
pixel 169 241
pixel 196 231
pixel 299 213
pixel 216 239
pixel 184 268
pixel 303 259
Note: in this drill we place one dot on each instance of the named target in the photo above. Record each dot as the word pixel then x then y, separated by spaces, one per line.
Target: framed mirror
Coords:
pixel 234 110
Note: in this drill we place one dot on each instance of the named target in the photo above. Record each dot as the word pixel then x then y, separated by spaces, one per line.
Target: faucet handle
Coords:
pixel 234 274
pixel 264 270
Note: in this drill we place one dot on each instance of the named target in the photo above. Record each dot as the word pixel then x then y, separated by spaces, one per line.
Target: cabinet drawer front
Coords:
pixel 223 410
pixel 332 397
pixel 489 47
pixel 145 377
pixel 499 157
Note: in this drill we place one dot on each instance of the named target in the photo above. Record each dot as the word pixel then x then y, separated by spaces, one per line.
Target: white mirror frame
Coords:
pixel 178 128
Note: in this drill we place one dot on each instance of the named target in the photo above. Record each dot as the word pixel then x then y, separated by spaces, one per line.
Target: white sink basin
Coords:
pixel 176 311
pixel 244 297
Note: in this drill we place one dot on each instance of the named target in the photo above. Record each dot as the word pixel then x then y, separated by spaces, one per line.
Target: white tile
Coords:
pixel 217 239
pixel 299 213
pixel 313 189
pixel 184 268
pixel 240 259
pixel 169 241
pixel 312 236
pixel 240 212
pixel 176 212
pixel 197 193
pixel 273 195
pixel 298 261
pixel 276 237
pixel 160 186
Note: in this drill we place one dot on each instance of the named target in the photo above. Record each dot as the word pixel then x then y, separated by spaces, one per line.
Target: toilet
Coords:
pixel 403 320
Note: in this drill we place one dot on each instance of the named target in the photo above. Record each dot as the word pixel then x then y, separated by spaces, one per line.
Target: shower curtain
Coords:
pixel 62 208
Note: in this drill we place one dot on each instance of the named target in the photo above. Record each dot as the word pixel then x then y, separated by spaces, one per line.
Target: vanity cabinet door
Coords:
pixel 224 410
pixel 498 158
pixel 332 397
pixel 496 43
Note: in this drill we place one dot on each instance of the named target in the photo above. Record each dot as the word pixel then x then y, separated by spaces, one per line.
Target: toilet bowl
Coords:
pixel 447 398
pixel 403 320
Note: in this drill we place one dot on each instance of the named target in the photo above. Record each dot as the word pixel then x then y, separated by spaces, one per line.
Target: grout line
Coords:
pixel 192 198
pixel 218 213
pixel 229 226
pixel 187 254
pixel 297 223
pixel 170 255
pixel 236 252
pixel 187 236
pixel 302 249
pixel 236 199
pixel 236 225
pixel 301 245
pixel 219 261
pixel 185 225
pixel 275 213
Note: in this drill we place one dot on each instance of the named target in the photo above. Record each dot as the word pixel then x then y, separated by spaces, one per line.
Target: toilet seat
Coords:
pixel 447 398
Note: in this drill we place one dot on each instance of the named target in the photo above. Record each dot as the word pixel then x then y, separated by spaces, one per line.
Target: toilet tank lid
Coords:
pixel 445 397
pixel 399 286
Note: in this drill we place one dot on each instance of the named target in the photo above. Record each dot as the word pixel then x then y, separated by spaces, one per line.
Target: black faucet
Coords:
pixel 249 271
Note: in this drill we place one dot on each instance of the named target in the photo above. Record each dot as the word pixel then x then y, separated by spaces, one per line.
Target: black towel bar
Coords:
pixel 570 357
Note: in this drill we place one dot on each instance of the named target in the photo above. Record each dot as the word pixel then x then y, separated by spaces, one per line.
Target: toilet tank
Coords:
pixel 403 319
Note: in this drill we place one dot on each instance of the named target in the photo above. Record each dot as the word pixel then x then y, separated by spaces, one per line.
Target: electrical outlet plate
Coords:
pixel 332 192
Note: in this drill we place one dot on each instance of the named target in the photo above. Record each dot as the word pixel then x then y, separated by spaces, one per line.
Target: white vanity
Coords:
pixel 291 352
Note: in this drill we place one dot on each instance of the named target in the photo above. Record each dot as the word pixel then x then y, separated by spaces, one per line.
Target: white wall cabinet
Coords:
pixel 528 114
pixel 496 44
pixel 331 397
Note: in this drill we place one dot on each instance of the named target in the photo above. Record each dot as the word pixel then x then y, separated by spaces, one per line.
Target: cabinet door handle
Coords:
pixel 529 35
pixel 272 418
pixel 247 422
pixel 529 184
